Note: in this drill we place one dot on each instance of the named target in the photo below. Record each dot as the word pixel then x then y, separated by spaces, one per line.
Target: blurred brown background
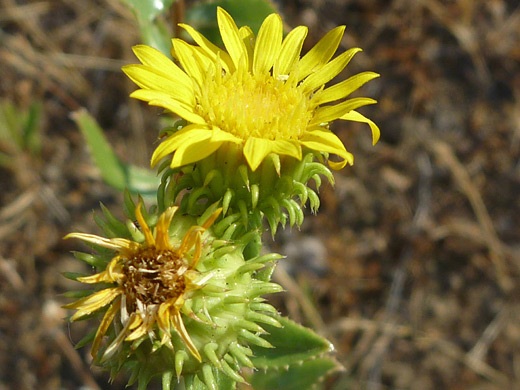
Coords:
pixel 411 267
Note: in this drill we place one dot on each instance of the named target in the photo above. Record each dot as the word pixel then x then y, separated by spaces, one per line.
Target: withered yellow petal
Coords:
pixel 178 325
pixel 162 238
pixel 94 302
pixel 104 325
pixel 190 239
pixel 148 236
pixel 107 276
pixel 116 244
pixel 114 346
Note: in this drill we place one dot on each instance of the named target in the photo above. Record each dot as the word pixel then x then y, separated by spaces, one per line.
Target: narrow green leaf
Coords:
pixel 293 344
pixel 77 294
pixel 157 35
pixel 111 168
pixel 86 340
pixel 19 128
pixel 10 123
pixel 31 135
pixel 297 377
pixel 114 172
pixel 148 10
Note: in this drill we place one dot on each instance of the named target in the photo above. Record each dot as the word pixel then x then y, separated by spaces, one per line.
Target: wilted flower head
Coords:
pixel 175 300
pixel 150 282
pixel 258 95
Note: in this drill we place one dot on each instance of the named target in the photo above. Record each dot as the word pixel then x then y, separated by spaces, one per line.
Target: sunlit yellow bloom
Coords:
pixel 148 284
pixel 258 94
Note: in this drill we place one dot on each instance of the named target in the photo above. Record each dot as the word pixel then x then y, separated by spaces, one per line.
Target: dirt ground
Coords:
pixel 412 265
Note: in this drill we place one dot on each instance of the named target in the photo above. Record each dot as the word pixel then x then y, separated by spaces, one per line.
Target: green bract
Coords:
pixel 176 300
pixel 277 191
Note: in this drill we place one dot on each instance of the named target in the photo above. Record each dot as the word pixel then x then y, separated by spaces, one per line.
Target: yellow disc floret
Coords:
pixel 262 106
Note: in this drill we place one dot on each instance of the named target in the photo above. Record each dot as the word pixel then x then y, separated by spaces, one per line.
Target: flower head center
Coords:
pixel 261 106
pixel 153 276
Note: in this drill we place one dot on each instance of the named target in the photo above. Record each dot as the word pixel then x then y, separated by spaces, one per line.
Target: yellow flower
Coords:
pixel 149 284
pixel 258 95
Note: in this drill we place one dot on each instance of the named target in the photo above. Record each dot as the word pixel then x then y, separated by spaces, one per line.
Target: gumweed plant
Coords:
pixel 180 286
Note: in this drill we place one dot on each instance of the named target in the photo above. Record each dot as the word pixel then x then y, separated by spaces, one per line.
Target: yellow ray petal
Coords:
pixel 248 37
pixel 194 151
pixel 148 78
pixel 321 53
pixel 231 38
pixel 178 324
pixel 187 56
pixel 148 236
pixel 104 325
pixel 268 43
pixel 162 64
pixel 218 135
pixel 194 146
pixel 116 244
pixel 357 117
pixel 327 141
pixel 162 238
pixel 329 71
pixel 93 302
pixel 343 89
pixel 256 149
pixel 164 100
pixel 209 48
pixel 329 113
pixel 288 148
pixel 206 63
pixel 187 134
pixel 290 51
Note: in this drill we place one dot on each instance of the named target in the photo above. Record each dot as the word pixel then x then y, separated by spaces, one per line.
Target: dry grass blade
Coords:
pixel 446 157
